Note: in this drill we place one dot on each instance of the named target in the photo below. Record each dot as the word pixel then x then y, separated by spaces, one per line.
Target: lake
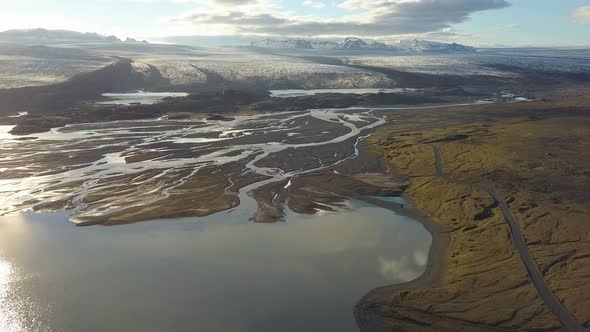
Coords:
pixel 219 273
pixel 139 97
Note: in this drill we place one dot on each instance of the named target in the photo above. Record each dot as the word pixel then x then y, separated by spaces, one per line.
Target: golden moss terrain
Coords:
pixel 536 158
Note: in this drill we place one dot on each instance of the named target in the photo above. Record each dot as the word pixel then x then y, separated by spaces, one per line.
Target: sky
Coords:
pixel 473 22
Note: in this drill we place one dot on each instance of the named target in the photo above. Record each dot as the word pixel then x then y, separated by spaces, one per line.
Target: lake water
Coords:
pixel 139 97
pixel 4 132
pixel 297 92
pixel 395 199
pixel 218 273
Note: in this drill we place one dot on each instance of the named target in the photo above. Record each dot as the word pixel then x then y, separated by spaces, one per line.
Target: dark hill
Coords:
pixel 120 76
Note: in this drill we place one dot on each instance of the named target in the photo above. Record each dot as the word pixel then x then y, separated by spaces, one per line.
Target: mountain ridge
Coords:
pixel 353 43
pixel 41 36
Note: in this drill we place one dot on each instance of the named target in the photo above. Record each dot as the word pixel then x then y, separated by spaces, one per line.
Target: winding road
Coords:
pixel 565 317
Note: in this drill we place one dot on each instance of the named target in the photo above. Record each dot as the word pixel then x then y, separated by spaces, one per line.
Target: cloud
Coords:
pixel 420 257
pixel 582 14
pixel 507 27
pixel 234 2
pixel 376 18
pixel 219 2
pixel 235 18
pixel 399 270
pixel 444 35
pixel 314 4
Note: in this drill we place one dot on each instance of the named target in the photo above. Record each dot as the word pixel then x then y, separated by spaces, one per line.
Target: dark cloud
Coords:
pixel 379 18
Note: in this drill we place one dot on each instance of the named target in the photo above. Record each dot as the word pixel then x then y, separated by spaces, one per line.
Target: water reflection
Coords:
pixel 4 132
pixel 18 311
pixel 298 92
pixel 215 275
pixel 8 322
pixel 139 97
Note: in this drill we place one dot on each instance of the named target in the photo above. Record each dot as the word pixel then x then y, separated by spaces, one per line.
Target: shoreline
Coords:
pixel 435 269
pixel 475 277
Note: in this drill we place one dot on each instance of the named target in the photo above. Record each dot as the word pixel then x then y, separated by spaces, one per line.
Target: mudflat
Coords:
pixel 494 177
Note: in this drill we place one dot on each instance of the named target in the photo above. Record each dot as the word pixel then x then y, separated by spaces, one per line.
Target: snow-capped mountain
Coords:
pixel 43 36
pixel 287 43
pixel 430 46
pixel 352 43
pixel 324 44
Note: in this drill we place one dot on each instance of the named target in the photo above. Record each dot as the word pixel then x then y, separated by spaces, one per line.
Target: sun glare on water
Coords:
pixel 9 321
